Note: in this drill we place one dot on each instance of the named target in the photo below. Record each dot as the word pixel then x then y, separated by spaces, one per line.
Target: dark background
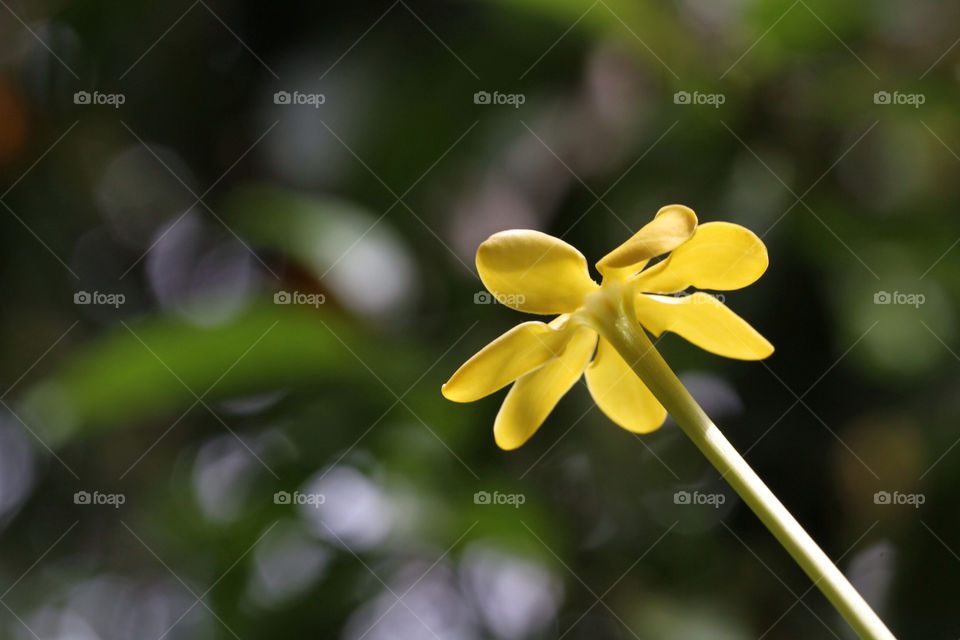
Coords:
pixel 198 398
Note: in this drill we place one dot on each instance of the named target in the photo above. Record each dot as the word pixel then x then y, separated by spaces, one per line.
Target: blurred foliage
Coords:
pixel 212 406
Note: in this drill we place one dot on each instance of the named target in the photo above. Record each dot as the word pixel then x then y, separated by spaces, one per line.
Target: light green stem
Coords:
pixel 616 321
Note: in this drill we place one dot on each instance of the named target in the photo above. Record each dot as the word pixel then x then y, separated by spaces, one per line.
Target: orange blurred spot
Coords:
pixel 13 121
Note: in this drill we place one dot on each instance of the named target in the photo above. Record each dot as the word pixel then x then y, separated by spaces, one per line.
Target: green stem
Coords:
pixel 620 327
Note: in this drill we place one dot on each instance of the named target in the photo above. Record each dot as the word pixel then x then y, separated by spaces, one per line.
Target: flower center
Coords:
pixel 605 304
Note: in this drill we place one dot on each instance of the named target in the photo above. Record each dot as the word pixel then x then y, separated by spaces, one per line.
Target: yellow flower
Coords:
pixel 534 272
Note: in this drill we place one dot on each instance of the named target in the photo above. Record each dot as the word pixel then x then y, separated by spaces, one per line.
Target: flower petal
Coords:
pixel 534 272
pixel 621 394
pixel 672 226
pixel 534 395
pixel 704 321
pixel 720 255
pixel 519 350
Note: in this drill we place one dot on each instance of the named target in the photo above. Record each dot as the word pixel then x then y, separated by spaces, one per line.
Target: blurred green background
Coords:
pixel 237 264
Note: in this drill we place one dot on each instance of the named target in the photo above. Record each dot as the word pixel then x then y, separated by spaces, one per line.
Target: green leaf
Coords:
pixel 162 364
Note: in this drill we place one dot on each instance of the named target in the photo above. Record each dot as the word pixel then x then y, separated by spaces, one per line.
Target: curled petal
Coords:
pixel 621 394
pixel 534 395
pixel 534 272
pixel 720 255
pixel 519 350
pixel 672 226
pixel 704 321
